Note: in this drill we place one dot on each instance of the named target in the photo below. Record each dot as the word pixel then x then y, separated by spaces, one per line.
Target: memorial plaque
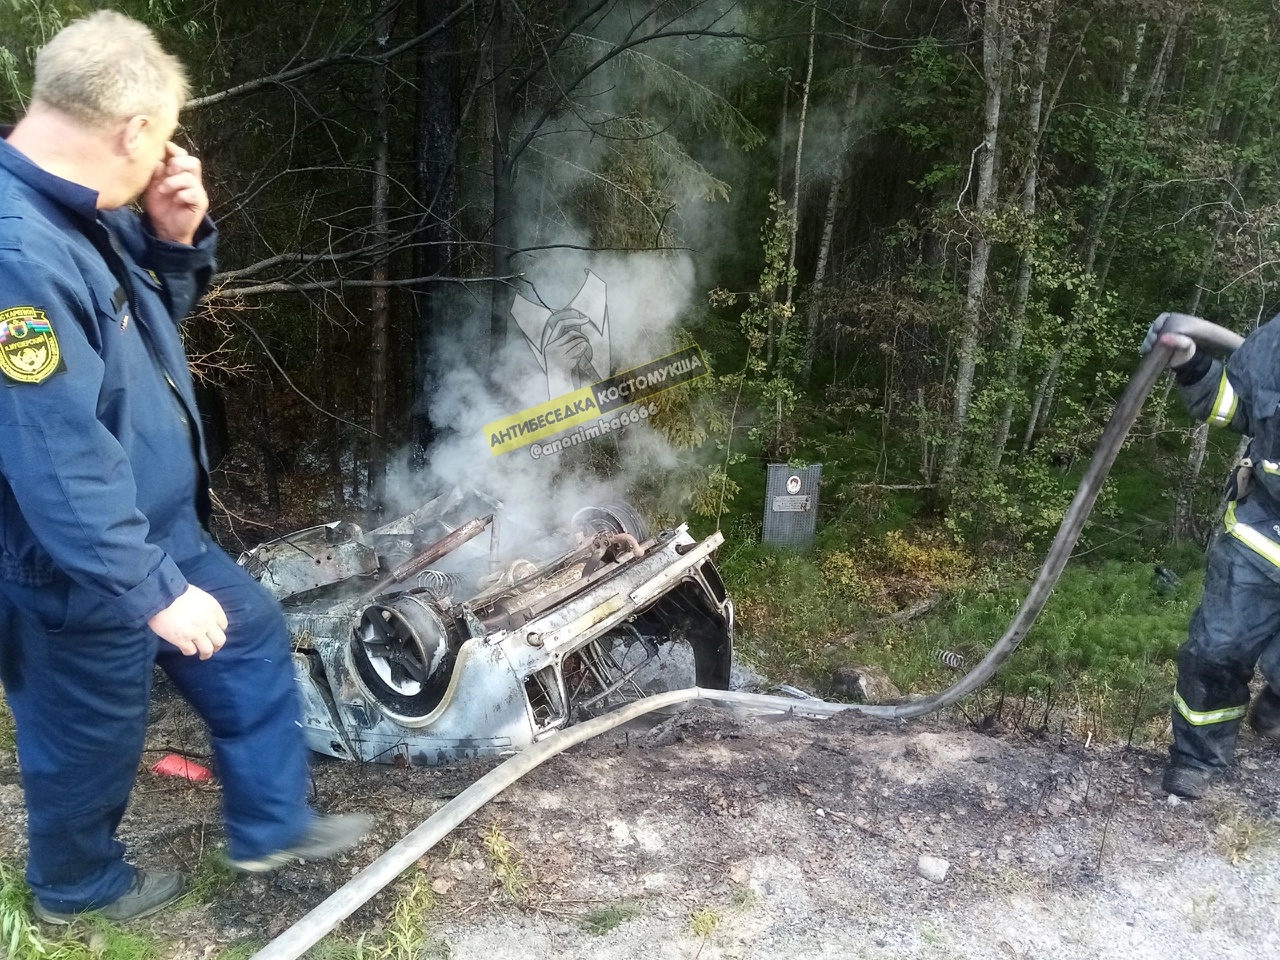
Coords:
pixel 791 505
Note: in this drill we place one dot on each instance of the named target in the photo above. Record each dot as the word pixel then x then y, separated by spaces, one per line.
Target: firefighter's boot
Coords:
pixel 1264 719
pixel 1187 782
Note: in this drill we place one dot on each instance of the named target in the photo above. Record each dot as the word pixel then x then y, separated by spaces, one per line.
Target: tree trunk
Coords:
pixel 379 309
pixel 1184 510
pixel 1030 183
pixel 1110 182
pixel 327 353
pixel 504 211
pixel 795 188
pixel 966 361
pixel 1043 401
pixel 829 225
pixel 829 219
pixel 266 445
pixel 1151 97
pixel 436 186
pixel 772 333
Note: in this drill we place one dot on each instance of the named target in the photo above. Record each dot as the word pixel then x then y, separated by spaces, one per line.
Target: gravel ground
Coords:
pixel 719 835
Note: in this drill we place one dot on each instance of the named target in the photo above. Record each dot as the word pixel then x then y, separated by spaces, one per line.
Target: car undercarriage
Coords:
pixel 453 632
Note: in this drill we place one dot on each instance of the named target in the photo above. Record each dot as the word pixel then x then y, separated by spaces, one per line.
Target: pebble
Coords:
pixel 1059 850
pixel 933 868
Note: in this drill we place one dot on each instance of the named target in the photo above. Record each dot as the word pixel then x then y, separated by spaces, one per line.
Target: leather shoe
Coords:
pixel 150 891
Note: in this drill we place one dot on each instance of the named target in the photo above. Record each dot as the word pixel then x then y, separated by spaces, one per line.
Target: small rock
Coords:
pixel 441 885
pixel 1059 850
pixel 865 684
pixel 1174 800
pixel 933 869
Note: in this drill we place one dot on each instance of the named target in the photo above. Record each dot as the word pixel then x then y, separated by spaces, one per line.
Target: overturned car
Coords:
pixel 453 633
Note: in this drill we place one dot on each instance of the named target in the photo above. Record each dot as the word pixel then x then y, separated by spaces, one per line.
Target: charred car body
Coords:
pixel 433 639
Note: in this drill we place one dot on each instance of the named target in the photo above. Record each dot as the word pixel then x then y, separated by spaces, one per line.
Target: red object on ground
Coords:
pixel 176 766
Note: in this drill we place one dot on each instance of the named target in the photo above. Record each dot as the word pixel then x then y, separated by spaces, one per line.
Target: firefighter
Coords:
pixel 1237 625
pixel 106 565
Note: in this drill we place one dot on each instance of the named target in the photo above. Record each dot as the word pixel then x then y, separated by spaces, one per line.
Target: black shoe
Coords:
pixel 328 836
pixel 1188 782
pixel 1264 719
pixel 150 891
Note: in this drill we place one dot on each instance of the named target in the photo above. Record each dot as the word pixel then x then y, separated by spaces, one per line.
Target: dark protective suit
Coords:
pixel 1237 625
pixel 103 506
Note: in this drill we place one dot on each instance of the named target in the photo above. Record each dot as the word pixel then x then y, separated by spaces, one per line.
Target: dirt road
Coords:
pixel 721 836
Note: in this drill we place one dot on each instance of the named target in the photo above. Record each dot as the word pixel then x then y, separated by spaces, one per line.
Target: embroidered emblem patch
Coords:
pixel 29 350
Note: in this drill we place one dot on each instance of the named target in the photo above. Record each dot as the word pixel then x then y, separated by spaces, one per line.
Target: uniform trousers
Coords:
pixel 1236 628
pixel 79 686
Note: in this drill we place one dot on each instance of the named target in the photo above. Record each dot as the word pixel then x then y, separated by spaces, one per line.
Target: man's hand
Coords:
pixel 567 352
pixel 1184 348
pixel 194 623
pixel 175 199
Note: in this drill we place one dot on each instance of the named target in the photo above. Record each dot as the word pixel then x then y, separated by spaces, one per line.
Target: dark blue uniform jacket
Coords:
pixel 103 477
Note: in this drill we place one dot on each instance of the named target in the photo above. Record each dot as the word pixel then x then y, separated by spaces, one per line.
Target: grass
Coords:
pixel 8 729
pixel 505 862
pixel 704 922
pixel 407 936
pixel 91 938
pixel 212 877
pixel 1106 640
pixel 608 918
pixel 1104 646
pixel 1238 836
pixel 240 951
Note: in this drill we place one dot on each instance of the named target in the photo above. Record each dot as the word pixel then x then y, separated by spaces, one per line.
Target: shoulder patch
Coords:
pixel 29 350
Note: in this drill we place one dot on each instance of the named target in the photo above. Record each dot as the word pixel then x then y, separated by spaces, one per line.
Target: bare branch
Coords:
pixel 591 249
pixel 626 44
pixel 294 387
pixel 286 287
pixel 293 73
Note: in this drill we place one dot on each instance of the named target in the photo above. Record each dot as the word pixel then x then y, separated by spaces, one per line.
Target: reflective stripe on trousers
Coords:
pixel 1201 718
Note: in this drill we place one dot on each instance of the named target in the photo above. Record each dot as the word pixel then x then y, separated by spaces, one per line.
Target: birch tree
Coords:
pixel 993 68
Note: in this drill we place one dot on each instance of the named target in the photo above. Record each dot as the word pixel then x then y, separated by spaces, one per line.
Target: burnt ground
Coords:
pixel 722 835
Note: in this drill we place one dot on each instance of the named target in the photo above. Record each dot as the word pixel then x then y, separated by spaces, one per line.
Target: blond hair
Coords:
pixel 105 68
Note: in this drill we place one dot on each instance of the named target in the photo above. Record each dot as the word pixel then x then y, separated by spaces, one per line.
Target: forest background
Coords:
pixel 918 242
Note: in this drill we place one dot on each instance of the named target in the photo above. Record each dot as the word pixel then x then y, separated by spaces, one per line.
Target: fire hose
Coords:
pixel 363 886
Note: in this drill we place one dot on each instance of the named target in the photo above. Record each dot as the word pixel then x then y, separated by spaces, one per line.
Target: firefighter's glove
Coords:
pixel 1184 348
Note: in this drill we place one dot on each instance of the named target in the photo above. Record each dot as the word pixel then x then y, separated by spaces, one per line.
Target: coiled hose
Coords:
pixel 313 926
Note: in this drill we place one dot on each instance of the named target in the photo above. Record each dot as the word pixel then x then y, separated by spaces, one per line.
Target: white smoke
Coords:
pixel 649 293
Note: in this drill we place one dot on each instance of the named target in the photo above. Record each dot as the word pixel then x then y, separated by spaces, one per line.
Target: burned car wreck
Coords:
pixel 453 632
